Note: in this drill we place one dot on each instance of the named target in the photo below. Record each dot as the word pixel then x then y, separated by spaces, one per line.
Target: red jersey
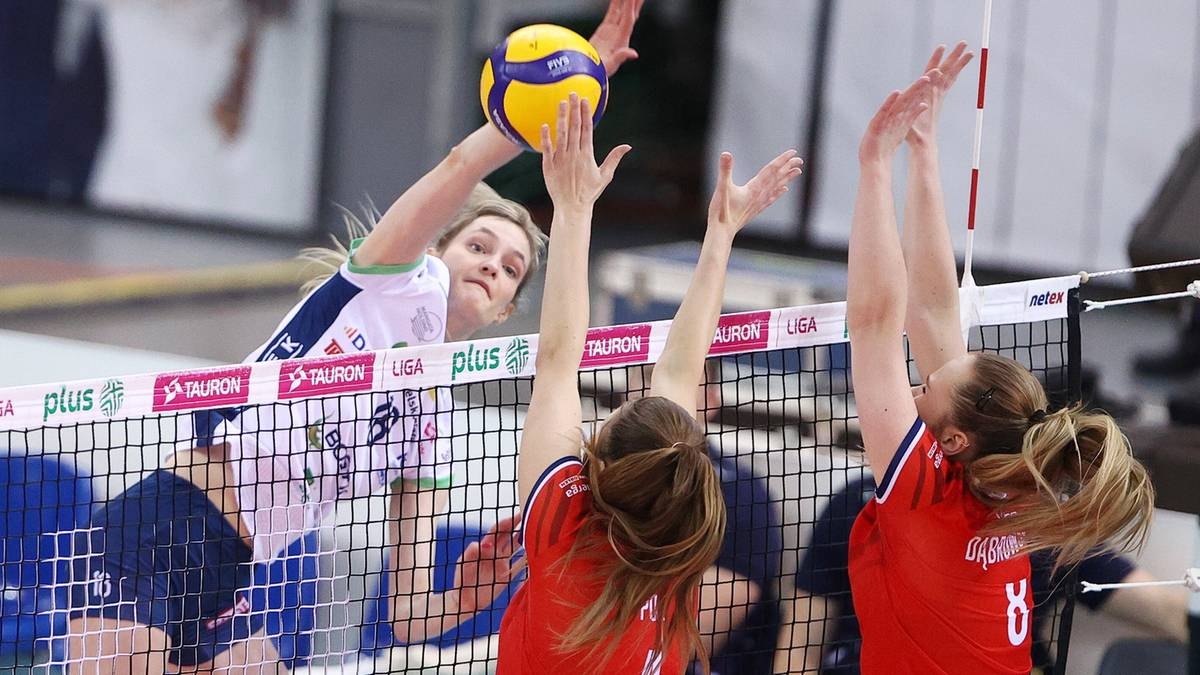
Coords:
pixel 548 603
pixel 931 595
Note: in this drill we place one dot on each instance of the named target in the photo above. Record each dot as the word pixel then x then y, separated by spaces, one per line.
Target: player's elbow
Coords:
pixel 456 162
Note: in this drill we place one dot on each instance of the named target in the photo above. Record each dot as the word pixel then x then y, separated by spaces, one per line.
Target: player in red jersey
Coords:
pixel 617 535
pixel 974 471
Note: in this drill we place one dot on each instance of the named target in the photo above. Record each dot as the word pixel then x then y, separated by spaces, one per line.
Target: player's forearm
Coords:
pixel 565 303
pixel 928 250
pixel 695 323
pixel 875 289
pixel 418 617
pixel 411 223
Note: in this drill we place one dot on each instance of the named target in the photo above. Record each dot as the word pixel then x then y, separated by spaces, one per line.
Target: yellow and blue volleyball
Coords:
pixel 530 72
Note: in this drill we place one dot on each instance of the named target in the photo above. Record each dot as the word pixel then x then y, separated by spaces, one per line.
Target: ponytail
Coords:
pixel 1066 480
pixel 658 522
pixel 1073 486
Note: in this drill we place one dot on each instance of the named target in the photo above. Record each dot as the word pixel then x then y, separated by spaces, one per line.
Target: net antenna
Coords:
pixel 972 297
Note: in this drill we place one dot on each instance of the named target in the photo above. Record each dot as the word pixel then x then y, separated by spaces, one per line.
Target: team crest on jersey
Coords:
pixel 425 324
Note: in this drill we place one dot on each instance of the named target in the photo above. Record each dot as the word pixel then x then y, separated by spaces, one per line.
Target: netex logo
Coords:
pixel 224 387
pixel 1047 298
pixel 740 332
pixel 319 377
pixel 618 344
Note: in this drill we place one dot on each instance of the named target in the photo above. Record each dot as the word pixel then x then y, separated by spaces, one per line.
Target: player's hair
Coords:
pixel 657 523
pixel 1067 479
pixel 484 201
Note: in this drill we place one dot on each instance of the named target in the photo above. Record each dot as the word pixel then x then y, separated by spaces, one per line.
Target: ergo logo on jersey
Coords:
pixel 317 377
pixel 179 391
pixel 618 344
pixel 739 332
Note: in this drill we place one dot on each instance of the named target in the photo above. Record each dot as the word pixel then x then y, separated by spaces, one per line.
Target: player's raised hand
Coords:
pixel 611 38
pixel 893 120
pixel 943 70
pixel 573 178
pixel 732 205
pixel 485 566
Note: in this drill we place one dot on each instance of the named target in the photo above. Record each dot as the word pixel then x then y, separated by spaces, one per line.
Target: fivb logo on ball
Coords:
pixel 321 377
pixel 481 360
pixel 180 391
pixel 530 72
pixel 69 399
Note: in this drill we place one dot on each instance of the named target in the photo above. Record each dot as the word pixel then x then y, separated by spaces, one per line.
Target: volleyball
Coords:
pixel 533 69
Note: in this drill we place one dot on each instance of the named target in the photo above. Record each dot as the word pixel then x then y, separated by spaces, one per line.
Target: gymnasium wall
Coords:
pixel 1087 105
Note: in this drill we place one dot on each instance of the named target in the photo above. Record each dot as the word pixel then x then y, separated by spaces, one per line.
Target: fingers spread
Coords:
pixel 935 59
pixel 725 168
pixel 609 166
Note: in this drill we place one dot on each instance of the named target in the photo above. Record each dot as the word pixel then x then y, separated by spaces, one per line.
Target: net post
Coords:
pixel 1074 394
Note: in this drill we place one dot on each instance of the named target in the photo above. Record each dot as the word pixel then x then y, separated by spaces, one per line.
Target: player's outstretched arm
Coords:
pixel 932 313
pixel 681 366
pixel 575 182
pixel 875 292
pixel 415 218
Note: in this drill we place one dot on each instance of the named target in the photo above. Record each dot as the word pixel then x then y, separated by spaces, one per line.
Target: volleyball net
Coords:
pixel 781 425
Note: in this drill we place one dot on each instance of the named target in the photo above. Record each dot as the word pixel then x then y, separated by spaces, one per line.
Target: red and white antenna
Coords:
pixel 968 280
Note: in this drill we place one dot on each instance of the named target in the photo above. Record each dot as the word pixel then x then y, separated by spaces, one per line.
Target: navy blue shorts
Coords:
pixel 162 555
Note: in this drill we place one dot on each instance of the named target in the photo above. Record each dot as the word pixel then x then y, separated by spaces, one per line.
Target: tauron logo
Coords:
pixel 616 344
pixel 179 391
pixel 326 376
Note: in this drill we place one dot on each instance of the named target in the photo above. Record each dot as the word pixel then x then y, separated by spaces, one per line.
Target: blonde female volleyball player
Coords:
pixel 618 531
pixel 166 587
pixel 974 471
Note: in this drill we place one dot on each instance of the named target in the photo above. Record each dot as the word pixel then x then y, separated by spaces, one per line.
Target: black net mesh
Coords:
pixel 100 541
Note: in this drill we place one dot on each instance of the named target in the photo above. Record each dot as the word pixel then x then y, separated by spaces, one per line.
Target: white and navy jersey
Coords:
pixel 292 462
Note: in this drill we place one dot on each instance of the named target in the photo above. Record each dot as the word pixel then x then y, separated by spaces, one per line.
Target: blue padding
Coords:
pixel 43 500
pixel 286 591
pixel 449 544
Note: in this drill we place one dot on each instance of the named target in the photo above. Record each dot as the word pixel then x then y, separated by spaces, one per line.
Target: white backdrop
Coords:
pixel 1084 115
pixel 169 62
